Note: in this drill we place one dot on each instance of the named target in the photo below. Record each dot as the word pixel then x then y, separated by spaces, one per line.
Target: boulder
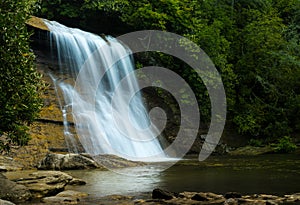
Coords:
pixel 231 201
pixel 200 197
pixel 45 183
pixel 67 162
pixel 162 194
pixel 77 182
pixel 60 200
pixel 112 161
pixel 65 197
pixel 12 191
pixel 229 195
pixel 71 193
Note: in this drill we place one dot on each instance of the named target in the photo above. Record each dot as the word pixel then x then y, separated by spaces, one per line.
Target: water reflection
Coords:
pixel 267 174
pixel 102 183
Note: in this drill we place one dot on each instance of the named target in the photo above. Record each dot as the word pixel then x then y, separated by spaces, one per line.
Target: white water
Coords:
pixel 105 122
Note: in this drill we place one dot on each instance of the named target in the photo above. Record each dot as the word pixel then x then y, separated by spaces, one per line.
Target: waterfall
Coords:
pixel 105 123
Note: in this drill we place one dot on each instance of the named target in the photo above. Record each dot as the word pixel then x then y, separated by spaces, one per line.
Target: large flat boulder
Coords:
pixel 12 191
pixel 45 183
pixel 54 161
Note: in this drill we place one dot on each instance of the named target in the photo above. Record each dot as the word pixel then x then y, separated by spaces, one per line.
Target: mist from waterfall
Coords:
pixel 105 122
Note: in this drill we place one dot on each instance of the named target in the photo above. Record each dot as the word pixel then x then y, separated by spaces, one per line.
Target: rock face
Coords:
pixel 12 191
pixel 66 162
pixel 9 164
pixel 37 23
pixel 45 183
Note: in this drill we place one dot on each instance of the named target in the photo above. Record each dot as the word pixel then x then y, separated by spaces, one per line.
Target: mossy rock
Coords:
pixel 252 151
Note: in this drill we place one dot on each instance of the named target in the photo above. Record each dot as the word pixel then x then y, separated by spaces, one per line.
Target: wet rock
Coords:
pixel 116 197
pixel 113 161
pixel 186 194
pixel 71 193
pixel 292 198
pixel 77 182
pixel 65 197
pixel 11 191
pixel 4 202
pixel 251 201
pixel 60 200
pixel 67 162
pixel 9 164
pixel 162 194
pixel 229 195
pixel 267 197
pixel 271 203
pixel 231 201
pixel 208 196
pixel 200 197
pixel 45 183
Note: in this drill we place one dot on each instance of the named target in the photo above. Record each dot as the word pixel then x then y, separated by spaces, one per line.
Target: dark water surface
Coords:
pixel 270 174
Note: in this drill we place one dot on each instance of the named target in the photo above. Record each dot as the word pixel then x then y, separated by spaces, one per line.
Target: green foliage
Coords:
pixel 256 143
pixel 255 46
pixel 285 145
pixel 19 81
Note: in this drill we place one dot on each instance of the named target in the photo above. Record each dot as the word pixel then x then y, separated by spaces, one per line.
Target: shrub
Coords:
pixel 20 83
pixel 285 145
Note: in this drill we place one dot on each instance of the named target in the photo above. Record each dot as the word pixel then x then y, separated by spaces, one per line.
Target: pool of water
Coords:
pixel 270 174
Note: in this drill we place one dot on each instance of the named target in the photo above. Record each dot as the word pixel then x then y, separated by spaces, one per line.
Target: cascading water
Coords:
pixel 97 67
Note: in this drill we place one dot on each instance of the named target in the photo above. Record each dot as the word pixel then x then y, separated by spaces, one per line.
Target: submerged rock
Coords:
pixel 71 193
pixel 76 182
pixel 60 200
pixel 54 161
pixel 162 194
pixel 12 191
pixel 65 197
